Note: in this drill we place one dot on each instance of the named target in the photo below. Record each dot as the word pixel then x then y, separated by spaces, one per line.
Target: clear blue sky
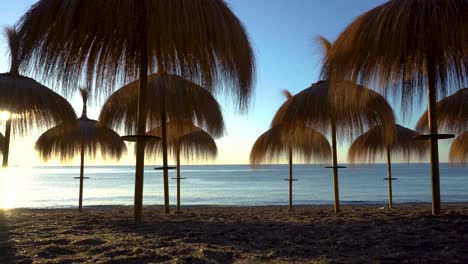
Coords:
pixel 282 33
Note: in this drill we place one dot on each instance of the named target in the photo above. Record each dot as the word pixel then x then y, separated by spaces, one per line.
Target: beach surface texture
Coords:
pixel 270 234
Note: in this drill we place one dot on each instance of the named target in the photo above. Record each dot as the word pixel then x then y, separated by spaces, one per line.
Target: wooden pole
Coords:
pixel 290 180
pixel 80 203
pixel 335 166
pixel 141 115
pixel 6 147
pixel 389 175
pixel 164 150
pixel 432 122
pixel 178 178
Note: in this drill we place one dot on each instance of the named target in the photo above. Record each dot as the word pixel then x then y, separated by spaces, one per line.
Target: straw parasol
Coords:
pixel 408 48
pixel 276 143
pixel 372 145
pixel 185 102
pixel 111 42
pixel 452 114
pixel 192 143
pixel 86 137
pixel 312 108
pixel 459 149
pixel 26 103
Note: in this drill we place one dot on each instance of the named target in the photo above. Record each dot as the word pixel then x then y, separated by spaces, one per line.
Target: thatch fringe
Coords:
pixel 371 145
pixel 276 143
pixel 186 103
pixel 30 103
pixel 193 143
pixel 459 150
pixel 312 108
pixel 452 114
pixel 391 45
pixel 202 41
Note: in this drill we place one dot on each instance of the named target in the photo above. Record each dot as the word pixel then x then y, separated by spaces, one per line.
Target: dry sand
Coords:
pixel 310 234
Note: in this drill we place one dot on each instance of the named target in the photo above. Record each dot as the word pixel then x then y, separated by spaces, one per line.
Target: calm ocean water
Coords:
pixel 41 187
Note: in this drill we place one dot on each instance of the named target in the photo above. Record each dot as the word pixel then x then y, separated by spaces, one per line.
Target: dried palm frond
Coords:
pixel 371 145
pixel 65 141
pixel 186 103
pixel 452 114
pixel 275 144
pixel 312 108
pixel 325 45
pixel 393 45
pixel 193 143
pixel 459 150
pixel 202 41
pixel 30 103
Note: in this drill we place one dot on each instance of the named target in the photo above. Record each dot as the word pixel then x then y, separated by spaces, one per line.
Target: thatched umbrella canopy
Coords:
pixel 26 102
pixel 452 114
pixel 459 149
pixel 276 143
pixel 186 103
pixel 312 108
pixel 408 47
pixel 371 145
pixel 192 143
pixel 112 42
pixel 86 137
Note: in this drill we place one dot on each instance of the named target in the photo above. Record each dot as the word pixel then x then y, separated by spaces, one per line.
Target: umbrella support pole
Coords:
pixel 335 166
pixel 141 119
pixel 164 151
pixel 389 175
pixel 290 180
pixel 6 147
pixel 80 202
pixel 432 122
pixel 178 179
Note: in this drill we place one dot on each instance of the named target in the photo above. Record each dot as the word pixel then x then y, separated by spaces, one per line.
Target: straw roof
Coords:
pixel 202 41
pixel 459 149
pixel 65 141
pixel 452 114
pixel 193 143
pixel 312 108
pixel 393 44
pixel 371 145
pixel 276 144
pixel 186 103
pixel 31 103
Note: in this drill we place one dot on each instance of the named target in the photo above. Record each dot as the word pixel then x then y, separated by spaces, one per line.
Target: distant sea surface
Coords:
pixel 52 187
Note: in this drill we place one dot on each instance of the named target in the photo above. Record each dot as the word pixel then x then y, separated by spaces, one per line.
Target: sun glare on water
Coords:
pixel 11 182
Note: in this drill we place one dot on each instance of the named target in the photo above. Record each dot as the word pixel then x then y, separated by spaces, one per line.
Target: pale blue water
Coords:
pixel 228 185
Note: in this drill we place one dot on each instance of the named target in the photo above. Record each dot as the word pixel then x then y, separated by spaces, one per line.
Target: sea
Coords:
pixel 231 185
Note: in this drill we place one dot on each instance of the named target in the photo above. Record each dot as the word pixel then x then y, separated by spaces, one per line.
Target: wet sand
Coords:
pixel 310 234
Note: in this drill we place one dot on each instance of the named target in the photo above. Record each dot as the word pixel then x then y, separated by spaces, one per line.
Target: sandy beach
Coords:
pixel 310 234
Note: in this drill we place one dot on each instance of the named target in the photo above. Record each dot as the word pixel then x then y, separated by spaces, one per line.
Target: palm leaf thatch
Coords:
pixel 33 104
pixel 407 47
pixel 202 41
pixel 311 108
pixel 452 114
pixel 86 138
pixel 372 145
pixel 192 143
pixel 276 143
pixel 459 149
pixel 185 103
pixel 395 43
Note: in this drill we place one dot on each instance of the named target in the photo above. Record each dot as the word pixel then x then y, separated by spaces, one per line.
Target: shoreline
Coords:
pixel 256 234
